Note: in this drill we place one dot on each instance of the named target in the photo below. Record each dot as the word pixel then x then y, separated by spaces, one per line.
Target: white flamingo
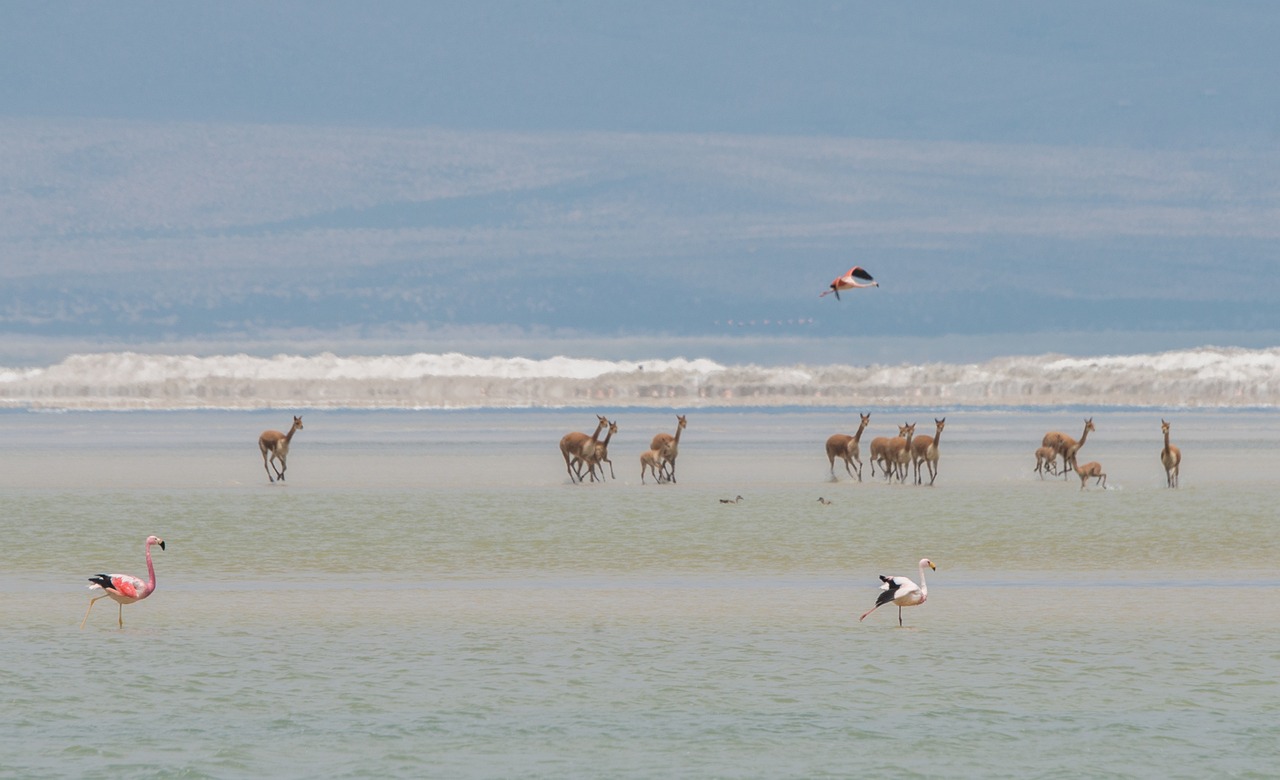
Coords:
pixel 902 591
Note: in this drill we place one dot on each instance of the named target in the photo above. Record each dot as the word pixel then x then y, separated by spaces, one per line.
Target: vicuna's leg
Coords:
pixel 266 461
pixel 567 466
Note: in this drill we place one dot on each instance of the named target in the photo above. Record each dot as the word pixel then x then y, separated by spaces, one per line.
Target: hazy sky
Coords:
pixel 639 179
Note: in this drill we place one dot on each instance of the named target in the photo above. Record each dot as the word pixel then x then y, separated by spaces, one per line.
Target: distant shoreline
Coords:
pixel 1203 378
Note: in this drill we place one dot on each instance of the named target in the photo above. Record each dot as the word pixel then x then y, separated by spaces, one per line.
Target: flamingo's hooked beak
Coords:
pixel 931 566
pixel 161 544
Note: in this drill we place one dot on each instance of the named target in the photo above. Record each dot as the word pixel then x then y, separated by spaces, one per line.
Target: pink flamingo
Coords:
pixel 902 591
pixel 125 588
pixel 850 281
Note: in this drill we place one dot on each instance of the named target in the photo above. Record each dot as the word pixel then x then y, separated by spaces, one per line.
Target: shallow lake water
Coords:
pixel 429 595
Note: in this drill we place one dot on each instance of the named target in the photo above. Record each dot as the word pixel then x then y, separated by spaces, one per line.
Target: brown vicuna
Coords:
pixel 898 454
pixel 1070 447
pixel 599 455
pixel 1047 460
pixel 651 460
pixel 573 445
pixel 1091 470
pixel 669 446
pixel 846 447
pixel 924 449
pixel 1171 457
pixel 880 449
pixel 1065 444
pixel 275 446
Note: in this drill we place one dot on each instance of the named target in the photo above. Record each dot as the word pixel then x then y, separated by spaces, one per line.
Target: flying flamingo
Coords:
pixel 850 281
pixel 125 588
pixel 902 591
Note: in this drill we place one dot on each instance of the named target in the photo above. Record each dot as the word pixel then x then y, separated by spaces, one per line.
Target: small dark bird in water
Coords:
pixel 823 501
pixel 730 500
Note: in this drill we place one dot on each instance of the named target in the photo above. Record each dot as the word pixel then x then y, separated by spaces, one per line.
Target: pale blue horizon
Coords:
pixel 605 179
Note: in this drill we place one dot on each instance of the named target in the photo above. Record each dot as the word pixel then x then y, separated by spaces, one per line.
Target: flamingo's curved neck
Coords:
pixel 151 571
pixel 924 586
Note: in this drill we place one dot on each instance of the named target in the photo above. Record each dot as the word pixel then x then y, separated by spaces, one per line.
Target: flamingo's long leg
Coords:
pixel 86 612
pixel 120 617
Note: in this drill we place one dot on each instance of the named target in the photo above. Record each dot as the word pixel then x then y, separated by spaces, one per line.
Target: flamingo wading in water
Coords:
pixel 125 588
pixel 855 277
pixel 902 591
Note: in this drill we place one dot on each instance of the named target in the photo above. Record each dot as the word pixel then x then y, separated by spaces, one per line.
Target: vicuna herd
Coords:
pixel 585 455
pixel 1059 445
pixel 897 455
